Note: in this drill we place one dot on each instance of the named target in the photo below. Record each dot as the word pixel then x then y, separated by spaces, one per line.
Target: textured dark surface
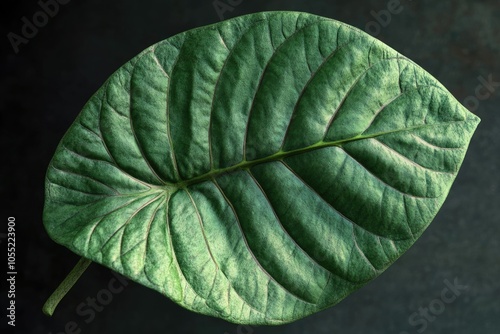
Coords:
pixel 45 85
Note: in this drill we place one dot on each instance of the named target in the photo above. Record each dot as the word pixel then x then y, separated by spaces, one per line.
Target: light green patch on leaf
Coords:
pixel 259 169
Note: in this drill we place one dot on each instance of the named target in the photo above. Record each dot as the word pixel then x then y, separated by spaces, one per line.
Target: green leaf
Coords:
pixel 259 169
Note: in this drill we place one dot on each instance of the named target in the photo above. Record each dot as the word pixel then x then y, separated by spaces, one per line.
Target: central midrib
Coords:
pixel 284 154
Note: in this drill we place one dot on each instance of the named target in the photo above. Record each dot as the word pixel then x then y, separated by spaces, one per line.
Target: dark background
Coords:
pixel 44 86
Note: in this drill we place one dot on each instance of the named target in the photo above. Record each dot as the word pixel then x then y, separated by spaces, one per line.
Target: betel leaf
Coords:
pixel 258 169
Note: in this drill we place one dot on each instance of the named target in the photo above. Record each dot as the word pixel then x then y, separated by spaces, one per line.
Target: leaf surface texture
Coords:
pixel 259 169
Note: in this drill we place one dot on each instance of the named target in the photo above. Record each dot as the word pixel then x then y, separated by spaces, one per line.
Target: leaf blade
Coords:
pixel 259 169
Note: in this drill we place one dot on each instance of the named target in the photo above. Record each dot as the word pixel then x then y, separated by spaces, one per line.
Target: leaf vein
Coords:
pixel 278 220
pixel 270 277
pixel 264 72
pixel 217 83
pixel 385 184
pixel 345 218
pixel 134 133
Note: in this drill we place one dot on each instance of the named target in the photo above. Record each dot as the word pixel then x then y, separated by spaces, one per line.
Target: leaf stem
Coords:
pixel 63 288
